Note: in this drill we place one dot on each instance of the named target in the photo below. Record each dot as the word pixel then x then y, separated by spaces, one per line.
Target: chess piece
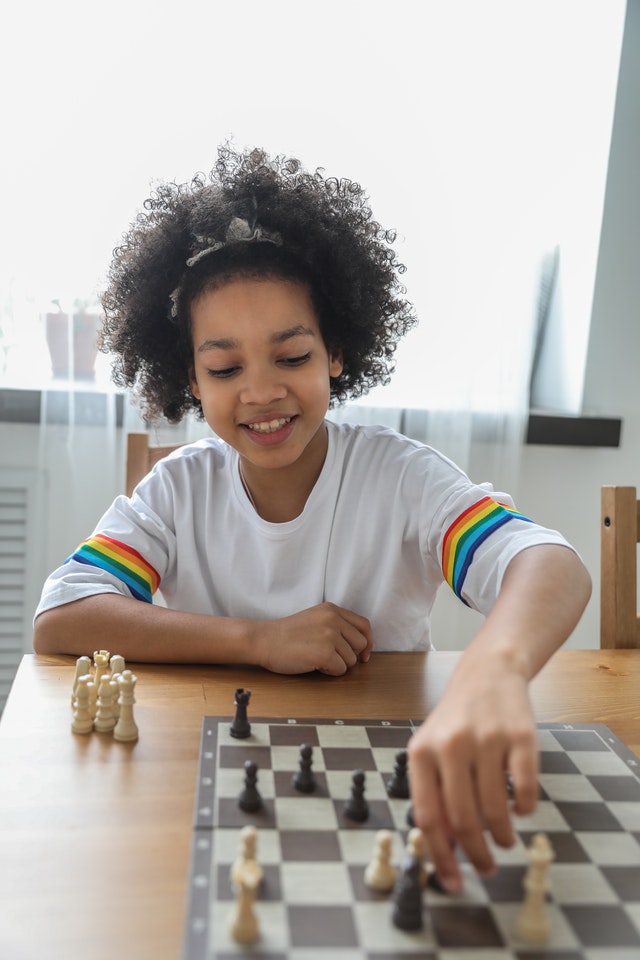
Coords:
pixel 380 873
pixel 356 807
pixel 243 925
pixel 407 896
pixel 250 800
pixel 105 720
pixel 117 664
pixel 304 780
pixel 532 922
pixel 126 729
pixel 82 720
pixel 416 848
pixel 83 668
pixel 101 665
pixel 248 856
pixel 241 728
pixel 398 785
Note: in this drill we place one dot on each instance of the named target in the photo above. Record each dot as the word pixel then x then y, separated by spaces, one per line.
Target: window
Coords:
pixel 481 132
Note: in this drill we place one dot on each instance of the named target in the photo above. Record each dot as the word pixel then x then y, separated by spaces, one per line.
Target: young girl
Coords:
pixel 258 298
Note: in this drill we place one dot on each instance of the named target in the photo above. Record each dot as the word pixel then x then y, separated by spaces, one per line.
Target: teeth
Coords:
pixel 269 426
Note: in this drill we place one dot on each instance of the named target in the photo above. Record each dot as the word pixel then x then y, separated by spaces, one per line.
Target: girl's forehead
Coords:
pixel 257 302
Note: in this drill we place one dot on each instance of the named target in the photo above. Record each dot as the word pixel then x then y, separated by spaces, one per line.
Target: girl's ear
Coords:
pixel 336 363
pixel 193 383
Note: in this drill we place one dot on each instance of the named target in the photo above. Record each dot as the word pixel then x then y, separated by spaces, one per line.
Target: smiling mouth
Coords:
pixel 269 426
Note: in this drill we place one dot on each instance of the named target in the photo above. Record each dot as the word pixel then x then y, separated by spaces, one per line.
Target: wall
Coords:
pixel 559 486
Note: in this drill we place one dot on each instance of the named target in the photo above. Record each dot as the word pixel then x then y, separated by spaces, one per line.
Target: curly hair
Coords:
pixel 327 238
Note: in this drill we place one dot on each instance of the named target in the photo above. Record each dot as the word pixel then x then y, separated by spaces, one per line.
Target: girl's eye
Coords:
pixel 296 361
pixel 222 374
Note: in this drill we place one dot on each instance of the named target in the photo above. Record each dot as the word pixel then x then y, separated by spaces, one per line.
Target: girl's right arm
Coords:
pixel 324 637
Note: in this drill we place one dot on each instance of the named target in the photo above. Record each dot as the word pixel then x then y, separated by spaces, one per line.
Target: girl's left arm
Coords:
pixel 484 724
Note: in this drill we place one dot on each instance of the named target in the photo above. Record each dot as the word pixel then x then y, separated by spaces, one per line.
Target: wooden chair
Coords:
pixel 619 621
pixel 141 456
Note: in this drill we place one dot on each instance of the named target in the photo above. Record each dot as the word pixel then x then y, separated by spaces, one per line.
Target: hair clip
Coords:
pixel 238 231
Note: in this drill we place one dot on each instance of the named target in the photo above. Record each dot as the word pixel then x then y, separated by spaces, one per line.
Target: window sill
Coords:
pixel 76 403
pixel 89 407
pixel 564 431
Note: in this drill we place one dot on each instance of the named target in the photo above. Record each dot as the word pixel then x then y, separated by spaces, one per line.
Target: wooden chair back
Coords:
pixel 620 528
pixel 141 456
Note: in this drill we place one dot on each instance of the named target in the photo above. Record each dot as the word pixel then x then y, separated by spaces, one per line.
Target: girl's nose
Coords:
pixel 261 387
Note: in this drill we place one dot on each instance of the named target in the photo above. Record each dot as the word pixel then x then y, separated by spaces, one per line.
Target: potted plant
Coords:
pixel 71 338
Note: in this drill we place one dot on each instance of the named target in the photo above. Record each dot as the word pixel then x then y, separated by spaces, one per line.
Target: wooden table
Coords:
pixel 95 835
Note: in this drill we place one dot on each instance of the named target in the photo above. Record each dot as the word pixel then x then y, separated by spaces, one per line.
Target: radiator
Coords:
pixel 19 569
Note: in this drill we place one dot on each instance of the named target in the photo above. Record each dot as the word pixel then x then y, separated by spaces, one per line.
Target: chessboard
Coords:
pixel 313 903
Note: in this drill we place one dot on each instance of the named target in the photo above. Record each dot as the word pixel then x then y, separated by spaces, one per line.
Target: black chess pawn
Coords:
pixel 356 808
pixel 398 785
pixel 241 728
pixel 250 800
pixel 407 895
pixel 304 780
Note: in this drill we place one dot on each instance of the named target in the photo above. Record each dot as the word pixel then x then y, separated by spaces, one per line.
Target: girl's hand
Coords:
pixel 458 761
pixel 326 637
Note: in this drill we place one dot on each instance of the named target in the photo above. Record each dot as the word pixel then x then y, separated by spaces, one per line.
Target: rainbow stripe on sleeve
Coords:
pixel 120 561
pixel 467 533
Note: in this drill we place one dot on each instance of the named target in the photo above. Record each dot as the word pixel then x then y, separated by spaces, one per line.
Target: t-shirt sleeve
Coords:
pixel 128 553
pixel 474 532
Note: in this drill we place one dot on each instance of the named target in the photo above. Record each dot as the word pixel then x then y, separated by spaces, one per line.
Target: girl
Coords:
pixel 259 298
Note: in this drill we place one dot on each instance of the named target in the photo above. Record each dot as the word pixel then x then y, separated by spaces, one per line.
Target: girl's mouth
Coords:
pixel 271 432
pixel 270 426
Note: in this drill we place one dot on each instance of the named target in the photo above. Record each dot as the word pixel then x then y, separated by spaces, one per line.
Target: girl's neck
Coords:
pixel 280 495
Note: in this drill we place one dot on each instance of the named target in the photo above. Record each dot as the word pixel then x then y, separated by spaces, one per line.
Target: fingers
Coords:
pixel 358 633
pixel 459 794
pixel 447 808
pixel 429 814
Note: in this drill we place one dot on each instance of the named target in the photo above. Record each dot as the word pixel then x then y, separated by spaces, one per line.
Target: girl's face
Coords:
pixel 261 370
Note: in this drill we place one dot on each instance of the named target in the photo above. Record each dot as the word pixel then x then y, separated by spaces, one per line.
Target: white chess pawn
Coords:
pixel 380 873
pixel 416 848
pixel 83 667
pixel 126 729
pixel 116 693
pixel 532 922
pixel 117 664
pixel 243 925
pixel 82 720
pixel 105 719
pixel 248 853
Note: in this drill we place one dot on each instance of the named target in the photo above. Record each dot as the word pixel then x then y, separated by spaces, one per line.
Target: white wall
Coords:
pixel 559 486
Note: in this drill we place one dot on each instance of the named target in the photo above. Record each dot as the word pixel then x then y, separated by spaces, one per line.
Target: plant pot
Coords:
pixel 83 328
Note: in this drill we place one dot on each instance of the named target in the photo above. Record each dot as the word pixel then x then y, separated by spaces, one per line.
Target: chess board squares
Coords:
pixel 625 880
pixel 566 786
pixel 609 849
pixel 343 736
pixel 234 756
pixel 292 735
pixel 582 883
pixel 603 925
pixel 379 937
pixel 389 737
pixel 273 943
pixel 546 818
pixel 563 942
pixel 597 764
pixel 588 816
pixel 628 815
pixel 582 740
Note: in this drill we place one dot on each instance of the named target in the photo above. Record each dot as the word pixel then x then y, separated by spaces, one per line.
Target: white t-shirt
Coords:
pixel 388 520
